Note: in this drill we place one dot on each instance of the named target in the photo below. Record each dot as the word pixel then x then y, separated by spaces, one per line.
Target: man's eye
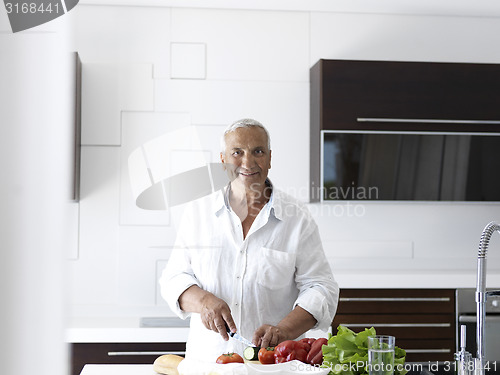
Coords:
pixel 236 152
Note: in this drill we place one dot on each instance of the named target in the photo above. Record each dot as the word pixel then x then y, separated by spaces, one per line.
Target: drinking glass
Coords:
pixel 381 355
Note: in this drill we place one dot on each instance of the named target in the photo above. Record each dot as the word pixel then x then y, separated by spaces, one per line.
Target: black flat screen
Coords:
pixel 411 166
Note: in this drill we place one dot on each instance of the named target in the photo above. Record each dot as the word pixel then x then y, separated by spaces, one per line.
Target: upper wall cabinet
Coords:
pixel 376 95
pixel 401 98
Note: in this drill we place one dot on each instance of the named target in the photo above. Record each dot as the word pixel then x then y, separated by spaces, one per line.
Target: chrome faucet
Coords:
pixel 482 294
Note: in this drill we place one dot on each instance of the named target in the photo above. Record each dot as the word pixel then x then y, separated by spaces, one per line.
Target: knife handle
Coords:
pixel 231 334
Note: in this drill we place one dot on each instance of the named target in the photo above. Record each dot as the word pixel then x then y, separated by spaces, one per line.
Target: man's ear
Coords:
pixel 222 159
pixel 270 159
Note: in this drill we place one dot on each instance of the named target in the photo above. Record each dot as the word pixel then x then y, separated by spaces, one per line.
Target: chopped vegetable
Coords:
pixel 251 353
pixel 346 353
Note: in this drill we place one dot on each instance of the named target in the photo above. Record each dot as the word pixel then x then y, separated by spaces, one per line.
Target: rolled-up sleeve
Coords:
pixel 318 290
pixel 173 283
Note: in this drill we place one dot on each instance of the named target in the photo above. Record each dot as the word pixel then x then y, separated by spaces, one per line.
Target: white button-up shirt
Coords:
pixel 279 265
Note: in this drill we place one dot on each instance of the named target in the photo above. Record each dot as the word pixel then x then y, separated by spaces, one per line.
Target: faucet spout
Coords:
pixel 481 293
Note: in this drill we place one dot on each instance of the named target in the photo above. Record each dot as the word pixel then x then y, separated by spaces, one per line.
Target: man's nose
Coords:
pixel 247 161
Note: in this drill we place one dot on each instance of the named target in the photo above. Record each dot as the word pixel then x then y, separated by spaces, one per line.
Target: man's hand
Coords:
pixel 214 312
pixel 290 327
pixel 268 335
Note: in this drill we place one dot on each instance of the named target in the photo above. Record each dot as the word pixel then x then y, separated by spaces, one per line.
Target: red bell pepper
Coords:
pixel 308 341
pixel 315 355
pixel 289 350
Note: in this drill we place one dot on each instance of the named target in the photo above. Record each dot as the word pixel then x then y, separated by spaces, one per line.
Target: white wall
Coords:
pixel 254 63
pixel 36 123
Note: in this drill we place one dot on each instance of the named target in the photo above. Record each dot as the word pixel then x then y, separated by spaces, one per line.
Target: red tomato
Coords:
pixel 266 355
pixel 230 358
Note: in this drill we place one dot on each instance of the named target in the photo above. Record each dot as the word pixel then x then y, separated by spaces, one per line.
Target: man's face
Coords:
pixel 247 151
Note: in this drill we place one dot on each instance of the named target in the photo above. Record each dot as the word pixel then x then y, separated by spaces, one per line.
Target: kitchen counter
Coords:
pixel 292 368
pixel 128 369
pixel 413 279
pixel 110 327
pixel 118 370
pixel 124 329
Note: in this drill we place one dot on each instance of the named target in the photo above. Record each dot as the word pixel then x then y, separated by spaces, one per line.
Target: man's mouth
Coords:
pixel 247 174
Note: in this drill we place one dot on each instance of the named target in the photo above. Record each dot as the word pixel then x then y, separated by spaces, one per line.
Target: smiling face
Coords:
pixel 248 152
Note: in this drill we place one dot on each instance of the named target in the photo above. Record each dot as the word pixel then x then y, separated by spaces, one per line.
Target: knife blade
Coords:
pixel 239 338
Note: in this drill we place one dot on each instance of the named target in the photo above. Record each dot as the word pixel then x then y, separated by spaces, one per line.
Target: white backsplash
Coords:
pixel 257 65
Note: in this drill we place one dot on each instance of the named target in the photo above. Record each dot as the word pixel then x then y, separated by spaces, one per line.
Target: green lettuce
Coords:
pixel 347 353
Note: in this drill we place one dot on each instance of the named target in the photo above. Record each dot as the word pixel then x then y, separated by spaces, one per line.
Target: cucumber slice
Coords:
pixel 251 353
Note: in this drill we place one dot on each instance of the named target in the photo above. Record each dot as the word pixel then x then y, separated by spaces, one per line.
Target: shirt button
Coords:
pixel 237 277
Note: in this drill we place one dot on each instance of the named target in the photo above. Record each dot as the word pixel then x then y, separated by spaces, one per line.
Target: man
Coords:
pixel 249 258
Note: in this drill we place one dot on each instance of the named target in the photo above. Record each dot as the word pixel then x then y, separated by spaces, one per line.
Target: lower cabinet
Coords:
pixel 422 320
pixel 115 353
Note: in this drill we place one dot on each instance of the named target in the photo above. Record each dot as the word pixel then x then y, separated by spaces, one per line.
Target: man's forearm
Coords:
pixel 191 299
pixel 297 322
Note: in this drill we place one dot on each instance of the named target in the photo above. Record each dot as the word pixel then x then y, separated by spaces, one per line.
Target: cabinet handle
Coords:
pixel 427 350
pixel 395 299
pixel 114 354
pixel 406 325
pixel 473 319
pixel 428 121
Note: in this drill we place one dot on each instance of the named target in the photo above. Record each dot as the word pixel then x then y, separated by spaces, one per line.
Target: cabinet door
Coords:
pixel 422 320
pixel 115 353
pixel 389 95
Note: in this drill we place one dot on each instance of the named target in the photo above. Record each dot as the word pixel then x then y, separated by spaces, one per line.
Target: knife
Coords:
pixel 239 338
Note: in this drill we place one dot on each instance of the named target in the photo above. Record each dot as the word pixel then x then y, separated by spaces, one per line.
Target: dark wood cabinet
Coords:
pixel 353 95
pixel 116 353
pixel 422 320
pixel 454 96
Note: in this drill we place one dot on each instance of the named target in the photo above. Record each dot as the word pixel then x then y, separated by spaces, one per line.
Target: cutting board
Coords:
pixel 191 367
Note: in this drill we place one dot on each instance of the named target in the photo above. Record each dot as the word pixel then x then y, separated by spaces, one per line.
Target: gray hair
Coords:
pixel 243 123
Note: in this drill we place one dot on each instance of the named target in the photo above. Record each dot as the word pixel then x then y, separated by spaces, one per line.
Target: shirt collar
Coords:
pixel 273 206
